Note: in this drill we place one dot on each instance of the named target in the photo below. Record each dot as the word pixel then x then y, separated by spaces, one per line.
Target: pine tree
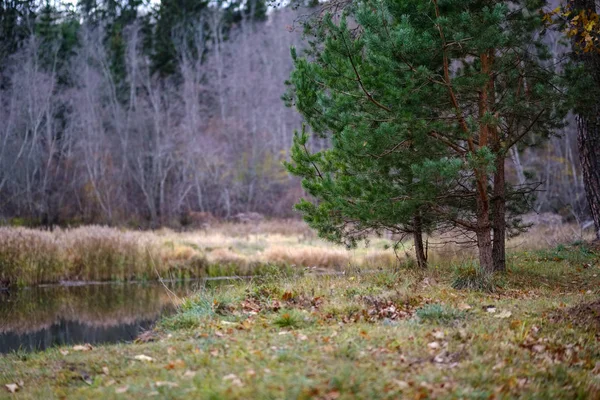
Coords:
pixel 422 101
pixel 171 16
pixel 17 18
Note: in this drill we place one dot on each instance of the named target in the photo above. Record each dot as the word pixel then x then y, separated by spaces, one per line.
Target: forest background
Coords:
pixel 170 114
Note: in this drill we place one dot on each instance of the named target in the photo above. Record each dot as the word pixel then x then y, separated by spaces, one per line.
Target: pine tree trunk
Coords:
pixel 484 235
pixel 499 216
pixel 588 124
pixel 418 239
pixel 588 140
pixel 484 245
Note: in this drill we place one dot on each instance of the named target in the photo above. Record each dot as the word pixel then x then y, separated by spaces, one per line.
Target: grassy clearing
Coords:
pixel 389 334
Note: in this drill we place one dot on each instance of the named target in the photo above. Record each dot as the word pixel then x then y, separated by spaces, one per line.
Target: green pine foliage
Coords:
pixel 420 102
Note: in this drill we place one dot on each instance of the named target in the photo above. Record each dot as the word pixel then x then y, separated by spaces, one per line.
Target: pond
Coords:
pixel 41 317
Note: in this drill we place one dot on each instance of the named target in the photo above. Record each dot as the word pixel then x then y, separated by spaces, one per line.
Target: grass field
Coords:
pixel 393 333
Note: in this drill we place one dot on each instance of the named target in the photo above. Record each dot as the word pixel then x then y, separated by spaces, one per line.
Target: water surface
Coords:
pixel 41 317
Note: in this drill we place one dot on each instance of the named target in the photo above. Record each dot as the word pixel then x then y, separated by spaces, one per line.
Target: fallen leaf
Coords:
pixel 214 352
pixel 233 378
pixel 179 363
pixel 334 394
pixel 302 337
pixel 121 389
pixel 538 348
pixel 433 345
pixel 438 335
pixel 12 387
pixel 401 384
pixel 168 384
pixel 64 352
pixel 83 347
pixel 275 305
pixel 189 374
pixel 105 370
pixel 464 307
pixel 143 357
pixel 86 378
pixel 504 314
pixel 490 309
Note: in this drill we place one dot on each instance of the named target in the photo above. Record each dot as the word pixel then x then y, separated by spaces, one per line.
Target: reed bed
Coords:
pixel 95 253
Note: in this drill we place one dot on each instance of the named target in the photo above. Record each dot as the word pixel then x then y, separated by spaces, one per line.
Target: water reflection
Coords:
pixel 38 318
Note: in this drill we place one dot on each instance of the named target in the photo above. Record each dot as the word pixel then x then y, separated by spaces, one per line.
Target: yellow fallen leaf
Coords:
pixel 143 357
pixel 503 314
pixel 83 347
pixel 168 384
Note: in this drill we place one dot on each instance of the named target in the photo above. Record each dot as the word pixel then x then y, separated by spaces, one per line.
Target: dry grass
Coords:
pixel 95 253
pixel 92 253
pixel 307 256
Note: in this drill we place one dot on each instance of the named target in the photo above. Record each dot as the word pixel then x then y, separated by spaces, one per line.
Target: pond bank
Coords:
pixel 390 334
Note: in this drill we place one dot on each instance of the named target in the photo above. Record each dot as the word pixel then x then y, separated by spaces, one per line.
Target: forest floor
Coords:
pixel 392 333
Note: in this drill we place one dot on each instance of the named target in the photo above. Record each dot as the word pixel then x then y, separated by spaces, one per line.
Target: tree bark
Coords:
pixel 588 141
pixel 588 124
pixel 484 245
pixel 420 250
pixel 484 235
pixel 499 216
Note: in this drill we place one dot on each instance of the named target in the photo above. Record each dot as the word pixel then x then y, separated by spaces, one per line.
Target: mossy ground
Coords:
pixel 389 334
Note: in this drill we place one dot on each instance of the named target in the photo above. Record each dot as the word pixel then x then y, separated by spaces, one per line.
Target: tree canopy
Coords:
pixel 422 102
